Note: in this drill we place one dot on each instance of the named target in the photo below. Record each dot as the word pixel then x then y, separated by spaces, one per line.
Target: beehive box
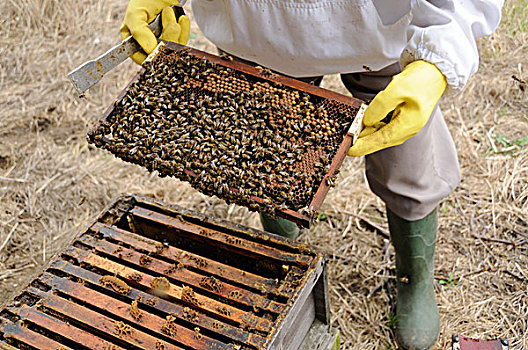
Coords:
pixel 147 275
pixel 242 133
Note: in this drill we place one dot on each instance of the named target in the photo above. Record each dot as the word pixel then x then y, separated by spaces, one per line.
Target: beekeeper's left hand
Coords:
pixel 412 95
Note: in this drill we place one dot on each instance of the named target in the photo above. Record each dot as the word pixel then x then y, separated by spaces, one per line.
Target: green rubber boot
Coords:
pixel 279 226
pixel 417 319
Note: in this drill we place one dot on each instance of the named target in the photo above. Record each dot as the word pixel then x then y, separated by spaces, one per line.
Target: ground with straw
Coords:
pixel 52 182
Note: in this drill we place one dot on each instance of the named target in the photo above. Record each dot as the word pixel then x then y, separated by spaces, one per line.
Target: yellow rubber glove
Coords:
pixel 412 95
pixel 140 13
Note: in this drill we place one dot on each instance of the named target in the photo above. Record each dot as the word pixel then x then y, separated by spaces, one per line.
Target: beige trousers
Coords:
pixel 414 177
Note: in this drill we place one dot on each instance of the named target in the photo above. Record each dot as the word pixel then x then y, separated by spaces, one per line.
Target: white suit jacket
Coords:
pixel 315 37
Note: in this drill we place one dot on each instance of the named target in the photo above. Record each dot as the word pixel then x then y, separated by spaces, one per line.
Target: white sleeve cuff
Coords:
pixel 444 32
pixel 455 81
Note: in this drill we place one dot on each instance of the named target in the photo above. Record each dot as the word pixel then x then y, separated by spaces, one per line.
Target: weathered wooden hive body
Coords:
pixel 146 275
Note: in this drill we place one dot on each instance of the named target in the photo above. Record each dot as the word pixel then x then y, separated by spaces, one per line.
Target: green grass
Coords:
pixel 392 320
pixel 450 282
pixel 515 17
pixel 504 144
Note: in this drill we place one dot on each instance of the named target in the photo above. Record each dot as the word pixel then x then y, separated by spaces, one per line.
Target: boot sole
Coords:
pixel 433 348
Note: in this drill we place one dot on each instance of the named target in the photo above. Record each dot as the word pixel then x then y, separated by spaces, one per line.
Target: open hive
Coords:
pixel 244 134
pixel 145 275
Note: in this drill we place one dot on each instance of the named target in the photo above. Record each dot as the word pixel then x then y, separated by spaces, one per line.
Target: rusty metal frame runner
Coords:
pixel 67 307
pixel 348 139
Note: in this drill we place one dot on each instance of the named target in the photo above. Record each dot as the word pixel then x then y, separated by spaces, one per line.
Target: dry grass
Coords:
pixel 52 182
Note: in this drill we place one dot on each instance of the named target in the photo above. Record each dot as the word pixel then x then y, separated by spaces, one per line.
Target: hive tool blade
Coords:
pixel 89 73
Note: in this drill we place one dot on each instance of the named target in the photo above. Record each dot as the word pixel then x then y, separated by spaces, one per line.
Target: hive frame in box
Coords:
pixel 304 219
pixel 66 304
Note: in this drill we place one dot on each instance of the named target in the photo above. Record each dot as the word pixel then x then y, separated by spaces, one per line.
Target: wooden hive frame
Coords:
pixel 354 106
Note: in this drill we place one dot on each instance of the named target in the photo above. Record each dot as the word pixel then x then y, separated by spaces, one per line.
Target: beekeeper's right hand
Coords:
pixel 140 13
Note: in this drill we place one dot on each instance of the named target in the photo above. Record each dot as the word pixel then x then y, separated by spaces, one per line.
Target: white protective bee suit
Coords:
pixel 316 37
pixel 307 38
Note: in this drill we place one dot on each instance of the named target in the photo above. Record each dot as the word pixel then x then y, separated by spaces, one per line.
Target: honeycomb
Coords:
pixel 248 139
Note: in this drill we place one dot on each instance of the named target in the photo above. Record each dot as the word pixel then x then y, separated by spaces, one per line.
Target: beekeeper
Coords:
pixel 400 55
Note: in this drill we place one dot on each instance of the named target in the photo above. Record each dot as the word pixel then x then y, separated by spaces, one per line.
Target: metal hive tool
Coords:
pixel 145 275
pixel 243 133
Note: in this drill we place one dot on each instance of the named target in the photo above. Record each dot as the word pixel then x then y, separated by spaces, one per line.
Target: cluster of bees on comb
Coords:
pixel 228 134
